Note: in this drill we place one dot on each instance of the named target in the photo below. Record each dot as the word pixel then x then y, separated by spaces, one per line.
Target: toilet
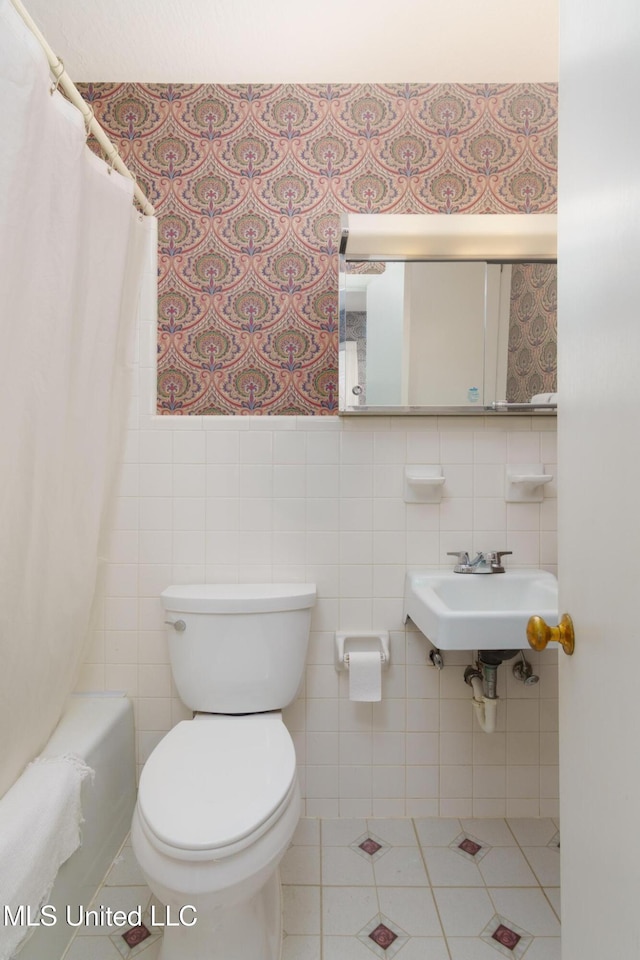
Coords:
pixel 218 800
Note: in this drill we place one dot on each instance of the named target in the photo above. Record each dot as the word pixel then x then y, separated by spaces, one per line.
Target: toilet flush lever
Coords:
pixel 178 625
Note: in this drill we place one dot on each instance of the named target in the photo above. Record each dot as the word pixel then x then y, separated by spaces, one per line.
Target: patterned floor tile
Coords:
pixel 469 847
pixel 136 940
pixel 383 937
pixel 369 846
pixel 357 888
pixel 506 937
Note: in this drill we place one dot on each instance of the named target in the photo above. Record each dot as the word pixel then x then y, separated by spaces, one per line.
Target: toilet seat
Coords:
pixel 215 783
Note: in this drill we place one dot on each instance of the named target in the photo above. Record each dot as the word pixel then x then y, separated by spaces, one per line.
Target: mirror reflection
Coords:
pixel 447 333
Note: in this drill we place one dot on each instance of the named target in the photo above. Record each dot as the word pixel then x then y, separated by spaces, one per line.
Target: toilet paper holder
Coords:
pixel 361 641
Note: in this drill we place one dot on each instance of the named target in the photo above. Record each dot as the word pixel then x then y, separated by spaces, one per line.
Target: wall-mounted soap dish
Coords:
pixel 525 482
pixel 423 483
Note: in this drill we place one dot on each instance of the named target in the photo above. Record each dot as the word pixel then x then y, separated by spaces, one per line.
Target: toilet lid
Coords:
pixel 211 782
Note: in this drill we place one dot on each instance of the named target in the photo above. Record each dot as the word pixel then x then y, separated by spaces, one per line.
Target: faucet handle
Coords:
pixel 462 555
pixel 495 559
pixel 463 563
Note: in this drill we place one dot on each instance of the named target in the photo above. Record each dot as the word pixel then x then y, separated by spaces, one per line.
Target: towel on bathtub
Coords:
pixel 40 817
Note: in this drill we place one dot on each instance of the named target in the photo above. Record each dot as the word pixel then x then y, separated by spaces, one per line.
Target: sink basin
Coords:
pixel 458 611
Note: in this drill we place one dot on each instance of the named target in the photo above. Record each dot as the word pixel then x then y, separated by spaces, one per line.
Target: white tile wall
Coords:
pixel 320 499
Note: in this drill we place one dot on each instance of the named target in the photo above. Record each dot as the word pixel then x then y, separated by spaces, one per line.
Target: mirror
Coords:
pixel 449 332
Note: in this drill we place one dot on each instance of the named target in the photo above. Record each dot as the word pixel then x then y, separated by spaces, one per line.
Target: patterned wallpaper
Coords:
pixel 531 365
pixel 248 182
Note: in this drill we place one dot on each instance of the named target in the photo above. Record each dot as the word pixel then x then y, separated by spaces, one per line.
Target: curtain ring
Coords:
pixel 57 76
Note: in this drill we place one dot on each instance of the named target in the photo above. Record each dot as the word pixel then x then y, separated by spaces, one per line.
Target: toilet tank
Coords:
pixel 238 647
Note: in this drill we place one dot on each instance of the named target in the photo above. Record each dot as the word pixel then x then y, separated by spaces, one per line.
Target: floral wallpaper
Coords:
pixel 248 183
pixel 532 361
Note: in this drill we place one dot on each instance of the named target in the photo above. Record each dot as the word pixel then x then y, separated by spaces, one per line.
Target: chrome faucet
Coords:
pixel 482 563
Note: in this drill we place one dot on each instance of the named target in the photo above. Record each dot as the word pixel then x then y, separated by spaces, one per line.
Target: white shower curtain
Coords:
pixel 71 259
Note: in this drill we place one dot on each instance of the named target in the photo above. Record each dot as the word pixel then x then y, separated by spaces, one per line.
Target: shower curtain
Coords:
pixel 71 261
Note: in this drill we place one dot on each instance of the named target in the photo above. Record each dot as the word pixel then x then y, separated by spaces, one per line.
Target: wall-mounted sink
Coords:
pixel 457 611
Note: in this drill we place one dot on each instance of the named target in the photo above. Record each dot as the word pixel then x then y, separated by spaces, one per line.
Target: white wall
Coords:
pixel 446 303
pixel 279 498
pixel 224 42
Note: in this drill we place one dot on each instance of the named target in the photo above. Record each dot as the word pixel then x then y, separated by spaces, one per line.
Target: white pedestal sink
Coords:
pixel 459 611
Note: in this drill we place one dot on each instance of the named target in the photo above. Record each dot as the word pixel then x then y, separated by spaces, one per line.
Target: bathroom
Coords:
pixel 257 498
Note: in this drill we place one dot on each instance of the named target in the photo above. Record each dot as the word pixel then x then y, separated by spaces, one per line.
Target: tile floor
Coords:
pixel 424 889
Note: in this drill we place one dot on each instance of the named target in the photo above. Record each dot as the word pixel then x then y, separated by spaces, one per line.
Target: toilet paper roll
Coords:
pixel 365 676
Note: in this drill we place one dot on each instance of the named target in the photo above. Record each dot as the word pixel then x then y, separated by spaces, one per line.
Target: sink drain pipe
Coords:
pixel 486 707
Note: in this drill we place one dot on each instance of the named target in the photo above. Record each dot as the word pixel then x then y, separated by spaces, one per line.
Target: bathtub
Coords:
pixel 99 728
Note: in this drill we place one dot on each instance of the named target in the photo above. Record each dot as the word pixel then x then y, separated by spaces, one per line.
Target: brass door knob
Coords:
pixel 539 634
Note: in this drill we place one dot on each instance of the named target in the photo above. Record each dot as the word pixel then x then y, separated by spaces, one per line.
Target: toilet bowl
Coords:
pixel 218 804
pixel 218 800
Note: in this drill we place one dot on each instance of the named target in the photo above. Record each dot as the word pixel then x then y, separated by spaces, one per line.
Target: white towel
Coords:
pixel 40 817
pixel 544 398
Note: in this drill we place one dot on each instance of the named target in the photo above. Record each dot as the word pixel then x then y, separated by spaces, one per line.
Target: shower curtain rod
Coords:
pixel 62 79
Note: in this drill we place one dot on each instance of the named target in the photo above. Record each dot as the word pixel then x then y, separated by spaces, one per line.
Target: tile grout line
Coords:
pixel 430 887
